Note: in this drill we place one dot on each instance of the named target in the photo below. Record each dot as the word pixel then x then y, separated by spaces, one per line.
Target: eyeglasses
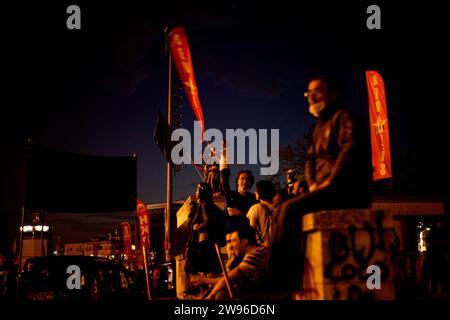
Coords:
pixel 309 92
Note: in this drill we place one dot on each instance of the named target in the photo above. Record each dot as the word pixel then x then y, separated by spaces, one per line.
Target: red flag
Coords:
pixel 182 57
pixel 144 225
pixel 126 234
pixel 379 129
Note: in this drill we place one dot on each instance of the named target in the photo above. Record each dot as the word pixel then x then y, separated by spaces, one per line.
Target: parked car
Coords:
pixel 8 284
pixel 100 279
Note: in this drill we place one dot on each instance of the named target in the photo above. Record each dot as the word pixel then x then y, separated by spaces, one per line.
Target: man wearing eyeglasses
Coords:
pixel 338 172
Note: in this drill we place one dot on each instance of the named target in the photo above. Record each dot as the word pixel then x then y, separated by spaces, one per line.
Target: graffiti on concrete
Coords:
pixel 350 259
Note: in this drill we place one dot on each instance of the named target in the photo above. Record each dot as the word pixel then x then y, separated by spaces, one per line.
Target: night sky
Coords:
pixel 98 90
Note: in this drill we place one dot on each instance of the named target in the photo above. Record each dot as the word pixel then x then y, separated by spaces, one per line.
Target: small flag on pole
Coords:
pixel 161 135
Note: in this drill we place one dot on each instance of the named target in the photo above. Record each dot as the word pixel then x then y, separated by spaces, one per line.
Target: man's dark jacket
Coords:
pixel 340 153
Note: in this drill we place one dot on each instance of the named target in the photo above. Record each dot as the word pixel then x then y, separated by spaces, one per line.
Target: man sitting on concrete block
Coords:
pixel 338 172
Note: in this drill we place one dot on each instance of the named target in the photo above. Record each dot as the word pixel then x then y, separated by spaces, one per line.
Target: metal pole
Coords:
pixel 168 233
pixel 41 221
pixel 136 226
pixel 224 270
pixel 21 238
pixel 42 241
pixel 136 244
pixel 144 253
pixel 22 221
pixel 27 156
pixel 19 265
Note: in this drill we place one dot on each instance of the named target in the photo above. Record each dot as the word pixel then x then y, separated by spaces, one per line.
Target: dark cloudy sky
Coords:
pixel 98 90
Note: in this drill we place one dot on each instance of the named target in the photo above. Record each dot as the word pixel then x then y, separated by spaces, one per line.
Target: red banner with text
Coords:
pixel 181 54
pixel 126 234
pixel 379 129
pixel 144 225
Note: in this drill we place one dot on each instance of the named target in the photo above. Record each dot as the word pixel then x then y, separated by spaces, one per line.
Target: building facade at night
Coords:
pixel 37 237
pixel 107 248
pixel 156 213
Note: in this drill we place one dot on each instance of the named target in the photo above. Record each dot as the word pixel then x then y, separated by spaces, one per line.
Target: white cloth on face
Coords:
pixel 316 108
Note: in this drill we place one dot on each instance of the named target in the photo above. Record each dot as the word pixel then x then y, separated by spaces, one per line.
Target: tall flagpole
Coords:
pixel 136 227
pixel 19 264
pixel 168 230
pixel 22 220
